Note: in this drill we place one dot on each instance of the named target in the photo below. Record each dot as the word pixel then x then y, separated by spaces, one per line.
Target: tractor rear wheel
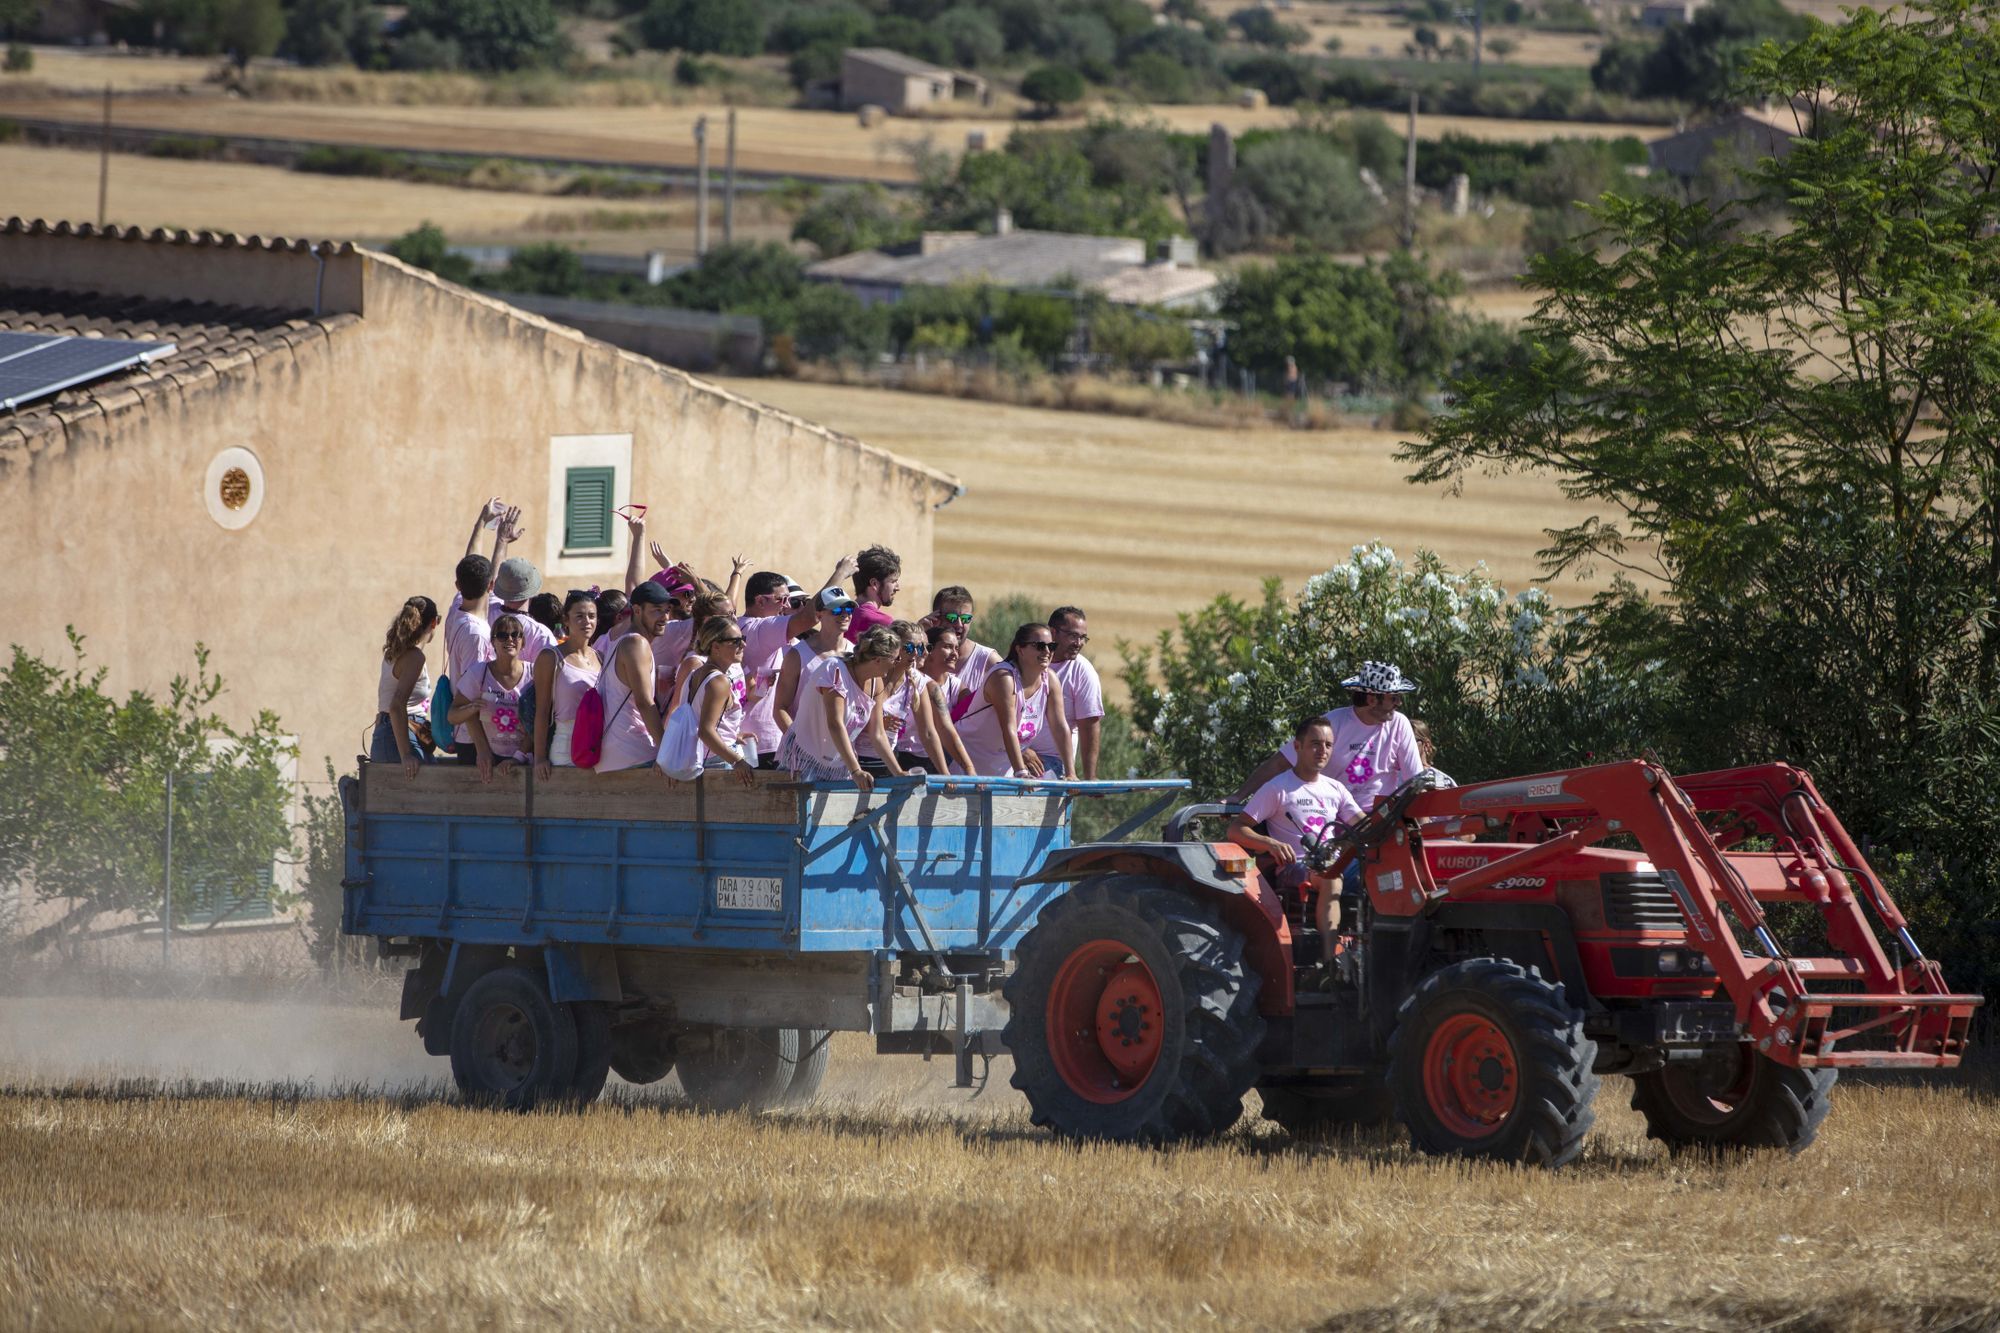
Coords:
pixel 511 1045
pixel 1489 1060
pixel 741 1069
pixel 593 1052
pixel 1733 1097
pixel 642 1050
pixel 1320 1110
pixel 1132 1015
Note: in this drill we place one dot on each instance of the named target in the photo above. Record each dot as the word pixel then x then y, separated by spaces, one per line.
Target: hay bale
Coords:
pixel 1253 99
pixel 872 115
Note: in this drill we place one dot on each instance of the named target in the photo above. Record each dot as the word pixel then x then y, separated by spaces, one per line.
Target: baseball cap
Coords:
pixel 650 593
pixel 835 600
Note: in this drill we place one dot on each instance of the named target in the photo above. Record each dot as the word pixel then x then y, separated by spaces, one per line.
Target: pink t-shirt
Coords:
pixel 975 664
pixel 499 708
pixel 535 636
pixel 1289 808
pixel 1369 761
pixel 809 734
pixel 572 680
pixel 764 641
pixel 866 617
pixel 627 743
pixel 981 727
pixel 1083 699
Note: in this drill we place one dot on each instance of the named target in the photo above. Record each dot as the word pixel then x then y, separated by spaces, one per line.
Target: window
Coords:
pixel 212 903
pixel 587 498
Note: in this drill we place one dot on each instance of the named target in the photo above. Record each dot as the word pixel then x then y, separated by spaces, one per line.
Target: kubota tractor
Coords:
pixel 1516 941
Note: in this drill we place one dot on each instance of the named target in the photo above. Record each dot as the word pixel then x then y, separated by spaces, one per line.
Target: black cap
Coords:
pixel 650 593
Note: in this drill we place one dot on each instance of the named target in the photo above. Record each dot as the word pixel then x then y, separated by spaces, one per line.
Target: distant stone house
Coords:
pixel 1744 136
pixel 900 84
pixel 1115 267
pixel 1668 13
pixel 312 450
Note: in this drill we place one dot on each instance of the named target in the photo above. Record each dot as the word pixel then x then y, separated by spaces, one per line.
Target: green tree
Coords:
pixel 746 278
pixel 1297 188
pixel 1793 431
pixel 322 32
pixel 1261 27
pixel 248 29
pixel 1043 323
pixel 1052 87
pixel 973 35
pixel 1701 60
pixel 546 269
pixel 426 248
pixel 705 27
pixel 835 21
pixel 847 218
pixel 1387 325
pixel 83 792
pixel 494 34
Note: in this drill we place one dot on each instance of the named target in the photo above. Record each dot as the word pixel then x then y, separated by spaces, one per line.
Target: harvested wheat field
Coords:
pixel 770 140
pixel 272 1205
pixel 1138 520
pixel 90 69
pixel 246 198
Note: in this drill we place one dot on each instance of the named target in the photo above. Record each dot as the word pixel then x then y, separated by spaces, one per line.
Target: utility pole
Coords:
pixel 729 184
pixel 700 186
pixel 1410 177
pixel 1478 35
pixel 167 888
pixel 104 159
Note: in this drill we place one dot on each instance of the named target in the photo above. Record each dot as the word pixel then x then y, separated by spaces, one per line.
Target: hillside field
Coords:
pixel 1137 521
pixel 900 1203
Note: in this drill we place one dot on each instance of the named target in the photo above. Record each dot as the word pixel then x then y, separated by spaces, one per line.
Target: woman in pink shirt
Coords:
pixel 836 705
pixel 937 691
pixel 486 698
pixel 674 690
pixel 836 612
pixel 1018 700
pixel 716 691
pixel 563 674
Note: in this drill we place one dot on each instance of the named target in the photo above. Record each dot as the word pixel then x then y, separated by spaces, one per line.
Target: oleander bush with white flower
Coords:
pixel 1506 679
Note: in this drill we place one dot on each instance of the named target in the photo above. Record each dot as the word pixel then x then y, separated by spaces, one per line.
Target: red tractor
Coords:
pixel 1516 941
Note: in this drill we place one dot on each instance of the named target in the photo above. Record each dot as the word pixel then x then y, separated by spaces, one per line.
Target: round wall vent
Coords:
pixel 234 490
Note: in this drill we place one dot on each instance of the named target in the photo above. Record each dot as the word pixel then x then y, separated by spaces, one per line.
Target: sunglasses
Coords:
pixel 737 639
pixel 913 650
pixel 844 610
pixel 1040 645
pixel 957 617
pixel 509 636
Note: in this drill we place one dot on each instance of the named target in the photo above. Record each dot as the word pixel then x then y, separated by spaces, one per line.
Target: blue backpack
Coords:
pixel 442 731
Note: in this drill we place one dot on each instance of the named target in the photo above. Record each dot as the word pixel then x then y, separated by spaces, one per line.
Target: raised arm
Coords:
pixel 737 564
pixel 636 527
pixel 510 531
pixel 488 512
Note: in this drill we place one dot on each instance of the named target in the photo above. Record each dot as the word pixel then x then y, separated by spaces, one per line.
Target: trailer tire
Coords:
pixel 511 1045
pixel 744 1069
pixel 593 1052
pixel 642 1050
pixel 1489 1060
pixel 1132 1015
pixel 815 1046
pixel 1734 1097
pixel 1322 1110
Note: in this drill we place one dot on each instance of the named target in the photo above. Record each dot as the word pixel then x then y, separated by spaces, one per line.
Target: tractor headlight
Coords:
pixel 1670 960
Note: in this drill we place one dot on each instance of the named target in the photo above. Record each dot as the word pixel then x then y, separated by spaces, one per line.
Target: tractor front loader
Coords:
pixel 1515 941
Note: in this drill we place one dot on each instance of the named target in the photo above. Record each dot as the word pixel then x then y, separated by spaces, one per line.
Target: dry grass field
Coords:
pixel 1138 520
pixel 1367 30
pixel 899 1203
pixel 776 140
pixel 247 198
pixel 73 69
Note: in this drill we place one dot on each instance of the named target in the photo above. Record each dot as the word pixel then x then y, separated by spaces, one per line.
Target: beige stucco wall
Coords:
pixel 378 437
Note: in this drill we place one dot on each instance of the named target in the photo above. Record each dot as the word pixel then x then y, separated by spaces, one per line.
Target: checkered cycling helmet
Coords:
pixel 1380 678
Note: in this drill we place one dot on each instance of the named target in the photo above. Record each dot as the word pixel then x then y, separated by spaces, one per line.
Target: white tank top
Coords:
pixel 385 693
pixel 980 727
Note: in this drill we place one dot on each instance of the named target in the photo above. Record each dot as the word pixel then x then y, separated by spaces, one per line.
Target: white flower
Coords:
pixel 1236 681
pixel 1534 677
pixel 1459 626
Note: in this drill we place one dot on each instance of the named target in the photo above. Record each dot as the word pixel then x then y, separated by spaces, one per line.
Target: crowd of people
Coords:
pixel 676 671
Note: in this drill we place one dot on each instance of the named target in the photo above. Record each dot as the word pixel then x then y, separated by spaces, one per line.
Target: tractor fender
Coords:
pixel 1246 902
pixel 1541 928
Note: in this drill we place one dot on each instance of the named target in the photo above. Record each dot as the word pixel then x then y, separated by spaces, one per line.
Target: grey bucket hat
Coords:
pixel 517 580
pixel 1380 678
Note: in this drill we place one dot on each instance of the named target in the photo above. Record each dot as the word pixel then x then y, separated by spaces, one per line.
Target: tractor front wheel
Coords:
pixel 1733 1097
pixel 1489 1060
pixel 1131 1014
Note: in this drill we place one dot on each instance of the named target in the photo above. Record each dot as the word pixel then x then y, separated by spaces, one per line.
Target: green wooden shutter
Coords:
pixel 210 902
pixel 587 508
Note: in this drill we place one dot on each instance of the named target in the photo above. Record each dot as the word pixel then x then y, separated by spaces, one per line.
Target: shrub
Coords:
pixel 20 58
pixel 972 34
pixel 1264 28
pixel 351 160
pixel 494 34
pixel 1051 87
pixel 706 27
pixel 852 217
pixel 425 247
pixel 185 147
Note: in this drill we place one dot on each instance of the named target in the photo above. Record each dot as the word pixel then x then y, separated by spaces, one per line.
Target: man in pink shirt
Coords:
pixel 1300 807
pixel 772 618
pixel 878 576
pixel 1374 747
pixel 1083 697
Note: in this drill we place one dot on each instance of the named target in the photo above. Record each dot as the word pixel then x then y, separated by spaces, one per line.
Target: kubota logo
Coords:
pixel 1460 862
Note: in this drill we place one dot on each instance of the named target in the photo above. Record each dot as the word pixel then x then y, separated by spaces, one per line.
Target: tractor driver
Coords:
pixel 1298 803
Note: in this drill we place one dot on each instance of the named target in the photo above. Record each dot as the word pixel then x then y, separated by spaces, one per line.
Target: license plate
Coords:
pixel 748 893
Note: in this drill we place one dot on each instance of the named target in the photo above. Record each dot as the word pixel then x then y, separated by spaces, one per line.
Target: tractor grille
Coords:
pixel 1640 902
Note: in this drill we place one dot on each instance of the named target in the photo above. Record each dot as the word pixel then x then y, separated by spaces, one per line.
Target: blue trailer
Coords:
pixel 561 929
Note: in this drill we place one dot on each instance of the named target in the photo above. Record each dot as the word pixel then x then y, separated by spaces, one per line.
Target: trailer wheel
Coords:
pixel 1320 1110
pixel 1733 1097
pixel 1132 1015
pixel 511 1045
pixel 1489 1060
pixel 815 1046
pixel 593 1052
pixel 642 1050
pixel 743 1069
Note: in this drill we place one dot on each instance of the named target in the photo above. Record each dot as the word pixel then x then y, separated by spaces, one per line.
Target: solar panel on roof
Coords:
pixel 35 365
